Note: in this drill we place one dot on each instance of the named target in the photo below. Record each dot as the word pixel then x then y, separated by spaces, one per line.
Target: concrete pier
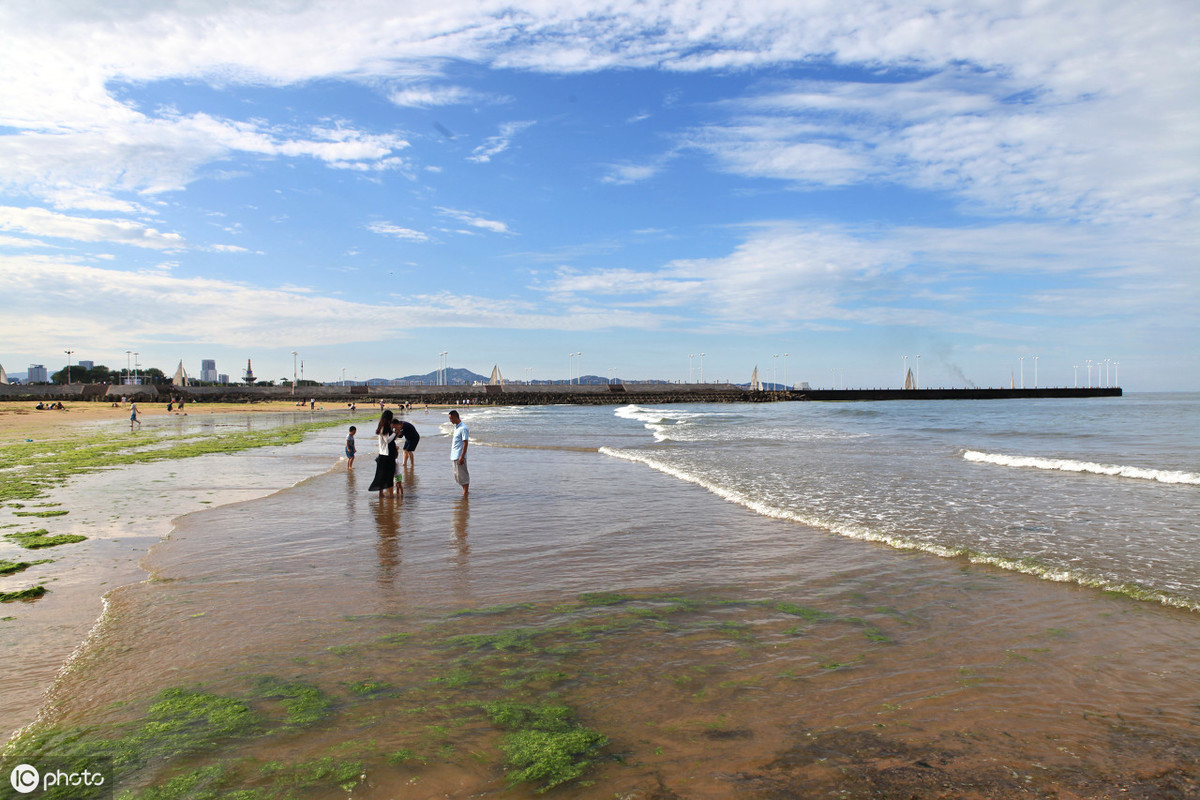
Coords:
pixel 523 394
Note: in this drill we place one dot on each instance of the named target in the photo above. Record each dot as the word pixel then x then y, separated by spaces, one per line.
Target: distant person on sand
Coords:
pixel 458 453
pixel 350 449
pixel 411 438
pixel 385 461
pixel 133 415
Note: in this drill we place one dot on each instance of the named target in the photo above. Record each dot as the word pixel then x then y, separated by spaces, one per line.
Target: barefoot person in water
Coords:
pixel 458 453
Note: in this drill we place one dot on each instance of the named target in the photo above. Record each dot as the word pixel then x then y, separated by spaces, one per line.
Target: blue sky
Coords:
pixel 370 184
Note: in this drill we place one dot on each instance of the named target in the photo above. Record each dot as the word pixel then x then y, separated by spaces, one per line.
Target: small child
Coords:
pixel 396 428
pixel 350 451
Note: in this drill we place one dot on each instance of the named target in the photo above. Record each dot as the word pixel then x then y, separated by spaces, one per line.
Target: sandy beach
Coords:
pixel 21 420
pixel 398 647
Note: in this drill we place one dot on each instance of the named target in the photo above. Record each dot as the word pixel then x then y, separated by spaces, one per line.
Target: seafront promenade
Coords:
pixel 523 394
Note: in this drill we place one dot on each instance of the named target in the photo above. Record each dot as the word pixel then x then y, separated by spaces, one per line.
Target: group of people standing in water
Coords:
pixel 389 432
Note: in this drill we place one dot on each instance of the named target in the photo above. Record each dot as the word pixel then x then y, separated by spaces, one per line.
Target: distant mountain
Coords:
pixel 453 377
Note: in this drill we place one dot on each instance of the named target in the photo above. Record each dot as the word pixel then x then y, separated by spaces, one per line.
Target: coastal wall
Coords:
pixel 521 394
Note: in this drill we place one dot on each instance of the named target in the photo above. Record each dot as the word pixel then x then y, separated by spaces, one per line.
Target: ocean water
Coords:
pixel 777 600
pixel 1101 492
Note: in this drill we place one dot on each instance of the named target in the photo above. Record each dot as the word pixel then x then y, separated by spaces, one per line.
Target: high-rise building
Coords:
pixel 208 370
pixel 37 374
pixel 86 364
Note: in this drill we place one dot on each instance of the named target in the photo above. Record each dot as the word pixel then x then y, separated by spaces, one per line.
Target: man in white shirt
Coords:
pixel 458 453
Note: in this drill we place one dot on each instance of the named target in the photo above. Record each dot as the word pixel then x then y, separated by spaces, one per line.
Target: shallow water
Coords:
pixel 721 652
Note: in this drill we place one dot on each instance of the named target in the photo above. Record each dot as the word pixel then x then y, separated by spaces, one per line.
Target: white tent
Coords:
pixel 909 383
pixel 497 378
pixel 181 378
pixel 3 375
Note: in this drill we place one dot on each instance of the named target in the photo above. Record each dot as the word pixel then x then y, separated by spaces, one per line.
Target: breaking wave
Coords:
pixel 1070 465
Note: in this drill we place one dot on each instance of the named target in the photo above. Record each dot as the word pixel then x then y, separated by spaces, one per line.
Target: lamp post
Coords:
pixel 1035 358
pixel 904 377
pixel 136 378
pixel 1022 359
pixel 1089 369
pixel 69 352
pixel 294 354
pixel 128 368
pixel 702 367
pixel 1076 368
pixel 691 377
pixel 786 386
pixel 1117 373
pixel 579 366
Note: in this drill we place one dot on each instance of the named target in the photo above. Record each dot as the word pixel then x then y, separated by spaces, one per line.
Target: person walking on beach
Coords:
pixel 411 438
pixel 133 415
pixel 458 453
pixel 385 461
pixel 350 449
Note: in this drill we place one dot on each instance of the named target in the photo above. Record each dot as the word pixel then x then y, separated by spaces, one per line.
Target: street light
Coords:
pixel 1035 358
pixel 1117 373
pixel 775 372
pixel 785 380
pixel 702 367
pixel 136 378
pixel 1076 368
pixel 691 377
pixel 128 368
pixel 69 352
pixel 1022 358
pixel 904 377
pixel 294 354
pixel 1089 369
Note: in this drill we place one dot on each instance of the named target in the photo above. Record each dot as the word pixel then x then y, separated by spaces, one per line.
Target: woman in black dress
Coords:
pixel 385 462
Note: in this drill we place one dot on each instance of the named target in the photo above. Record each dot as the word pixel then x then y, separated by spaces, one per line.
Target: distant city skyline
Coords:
pixel 608 188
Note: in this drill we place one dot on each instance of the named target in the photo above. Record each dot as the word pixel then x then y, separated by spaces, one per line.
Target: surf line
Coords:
pixel 1024 566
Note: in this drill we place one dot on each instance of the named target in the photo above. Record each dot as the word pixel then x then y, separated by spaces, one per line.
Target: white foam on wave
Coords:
pixel 659 421
pixel 1070 465
pixel 1025 566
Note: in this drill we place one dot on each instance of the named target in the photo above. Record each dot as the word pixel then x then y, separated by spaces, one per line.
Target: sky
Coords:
pixel 369 185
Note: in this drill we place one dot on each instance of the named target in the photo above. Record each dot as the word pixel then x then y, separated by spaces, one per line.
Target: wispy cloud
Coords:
pixel 494 145
pixel 40 222
pixel 388 229
pixel 474 220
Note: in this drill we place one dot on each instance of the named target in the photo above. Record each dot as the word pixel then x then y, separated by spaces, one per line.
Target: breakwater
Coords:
pixel 523 394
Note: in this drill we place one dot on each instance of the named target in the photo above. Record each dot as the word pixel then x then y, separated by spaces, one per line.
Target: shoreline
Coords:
pixel 122 514
pixel 842 666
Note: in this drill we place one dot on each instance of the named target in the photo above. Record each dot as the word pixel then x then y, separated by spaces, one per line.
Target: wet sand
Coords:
pixel 720 653
pixel 123 512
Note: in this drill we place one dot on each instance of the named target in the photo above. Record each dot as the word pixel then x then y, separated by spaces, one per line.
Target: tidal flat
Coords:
pixel 584 627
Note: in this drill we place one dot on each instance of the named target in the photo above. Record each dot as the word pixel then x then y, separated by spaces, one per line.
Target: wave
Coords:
pixel 1069 465
pixel 1026 566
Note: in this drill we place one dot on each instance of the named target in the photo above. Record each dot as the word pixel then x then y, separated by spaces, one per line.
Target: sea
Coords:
pixel 990 598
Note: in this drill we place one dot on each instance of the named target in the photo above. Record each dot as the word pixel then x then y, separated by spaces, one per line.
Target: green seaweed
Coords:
pixel 54 513
pixel 548 746
pixel 32 593
pixel 304 703
pixel 41 538
pixel 13 567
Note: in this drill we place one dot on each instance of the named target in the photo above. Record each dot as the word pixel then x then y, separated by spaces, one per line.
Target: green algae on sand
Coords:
pixel 41 539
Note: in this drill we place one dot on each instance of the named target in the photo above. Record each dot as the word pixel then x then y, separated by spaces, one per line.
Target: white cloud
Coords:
pixel 151 305
pixel 40 222
pixel 474 220
pixel 494 145
pixel 388 229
